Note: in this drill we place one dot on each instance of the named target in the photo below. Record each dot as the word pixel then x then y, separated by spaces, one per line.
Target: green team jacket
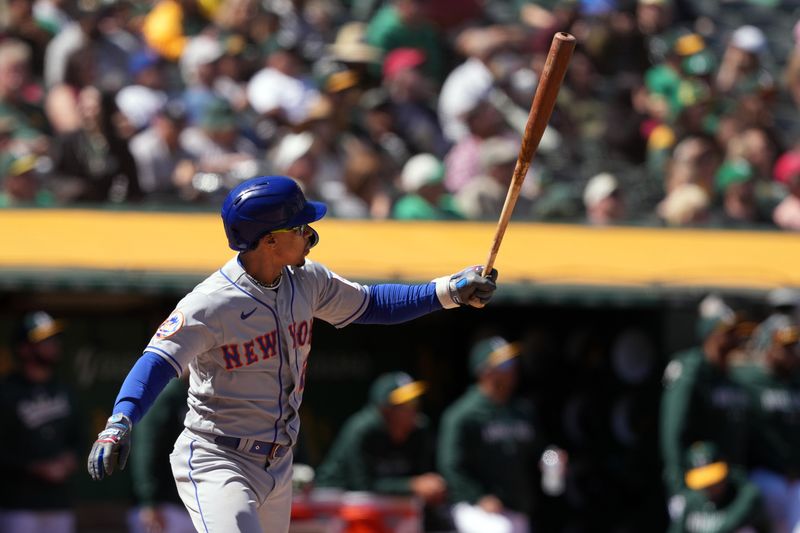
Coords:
pixel 700 402
pixel 153 439
pixel 364 458
pixel 38 422
pixel 775 403
pixel 741 508
pixel 486 448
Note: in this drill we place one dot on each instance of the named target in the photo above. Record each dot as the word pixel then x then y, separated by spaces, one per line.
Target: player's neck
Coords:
pixel 261 267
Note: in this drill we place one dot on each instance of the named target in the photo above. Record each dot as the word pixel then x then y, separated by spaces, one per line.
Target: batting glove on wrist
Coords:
pixel 111 448
pixel 469 287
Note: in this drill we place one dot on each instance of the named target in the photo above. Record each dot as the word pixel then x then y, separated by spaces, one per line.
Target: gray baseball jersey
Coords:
pixel 247 347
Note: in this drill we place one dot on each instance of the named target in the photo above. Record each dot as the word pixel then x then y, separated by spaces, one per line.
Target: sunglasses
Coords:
pixel 300 230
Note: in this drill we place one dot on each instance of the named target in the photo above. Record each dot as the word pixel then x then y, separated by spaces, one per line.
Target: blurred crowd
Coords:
pixel 672 112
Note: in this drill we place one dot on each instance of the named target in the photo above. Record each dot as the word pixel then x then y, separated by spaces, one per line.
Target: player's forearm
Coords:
pixel 141 387
pixel 393 303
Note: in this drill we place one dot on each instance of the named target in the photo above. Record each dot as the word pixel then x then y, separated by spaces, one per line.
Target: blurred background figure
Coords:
pixel 282 91
pixel 482 198
pixel 773 383
pixel 21 100
pixel 603 200
pixel 412 95
pixel 686 205
pixel 489 446
pixel 170 24
pixel 94 162
pixel 742 61
pixel 407 24
pixel 42 434
pixel 424 196
pixel 164 167
pixel 783 304
pixel 462 162
pixel 199 68
pixel 141 100
pixel 739 205
pixel 387 448
pixel 219 148
pixel 96 29
pixel 62 101
pixel 719 495
pixel 787 213
pixel 22 184
pixel 700 400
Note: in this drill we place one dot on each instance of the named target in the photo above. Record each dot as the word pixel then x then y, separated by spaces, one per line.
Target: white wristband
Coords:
pixel 443 292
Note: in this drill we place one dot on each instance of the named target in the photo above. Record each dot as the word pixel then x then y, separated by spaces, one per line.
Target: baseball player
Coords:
pixel 700 400
pixel 489 441
pixel 773 385
pixel 718 496
pixel 245 335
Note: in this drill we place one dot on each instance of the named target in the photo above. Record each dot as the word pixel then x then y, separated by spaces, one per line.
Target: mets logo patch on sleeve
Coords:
pixel 172 324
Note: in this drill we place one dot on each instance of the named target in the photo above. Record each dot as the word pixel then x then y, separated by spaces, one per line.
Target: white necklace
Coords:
pixel 273 285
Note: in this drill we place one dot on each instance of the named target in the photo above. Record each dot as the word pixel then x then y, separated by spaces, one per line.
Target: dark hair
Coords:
pixel 76 65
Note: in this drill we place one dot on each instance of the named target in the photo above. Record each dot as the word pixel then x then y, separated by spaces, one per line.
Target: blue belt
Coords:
pixel 272 450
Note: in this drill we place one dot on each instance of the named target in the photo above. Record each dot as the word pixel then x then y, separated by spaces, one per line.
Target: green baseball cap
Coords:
pixel 38 326
pixel 777 329
pixel 714 314
pixel 218 115
pixel 395 388
pixel 732 172
pixel 705 466
pixel 491 353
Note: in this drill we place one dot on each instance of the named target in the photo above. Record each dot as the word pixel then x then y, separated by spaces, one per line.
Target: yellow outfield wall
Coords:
pixel 194 243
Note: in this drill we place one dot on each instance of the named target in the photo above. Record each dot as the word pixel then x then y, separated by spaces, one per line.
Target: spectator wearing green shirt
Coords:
pixel 700 400
pixel 425 197
pixel 489 446
pixel 718 497
pixel 774 389
pixel 405 24
pixel 387 448
pixel 22 186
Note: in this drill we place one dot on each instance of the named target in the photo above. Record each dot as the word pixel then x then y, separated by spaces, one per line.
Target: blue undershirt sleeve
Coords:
pixel 394 303
pixel 141 387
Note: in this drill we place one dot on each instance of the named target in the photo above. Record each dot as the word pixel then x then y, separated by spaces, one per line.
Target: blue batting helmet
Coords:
pixel 263 204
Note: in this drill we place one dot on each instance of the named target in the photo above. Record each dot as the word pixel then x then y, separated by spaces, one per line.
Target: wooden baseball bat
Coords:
pixel 542 107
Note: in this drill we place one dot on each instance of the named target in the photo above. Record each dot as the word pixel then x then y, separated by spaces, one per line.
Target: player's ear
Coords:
pixel 268 239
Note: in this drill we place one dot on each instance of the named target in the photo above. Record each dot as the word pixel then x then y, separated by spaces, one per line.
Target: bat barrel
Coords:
pixel 544 101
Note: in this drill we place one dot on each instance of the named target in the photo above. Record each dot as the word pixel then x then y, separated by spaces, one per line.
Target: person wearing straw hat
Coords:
pixel 718 496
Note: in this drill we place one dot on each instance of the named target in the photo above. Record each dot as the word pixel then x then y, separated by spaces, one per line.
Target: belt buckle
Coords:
pixel 273 452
